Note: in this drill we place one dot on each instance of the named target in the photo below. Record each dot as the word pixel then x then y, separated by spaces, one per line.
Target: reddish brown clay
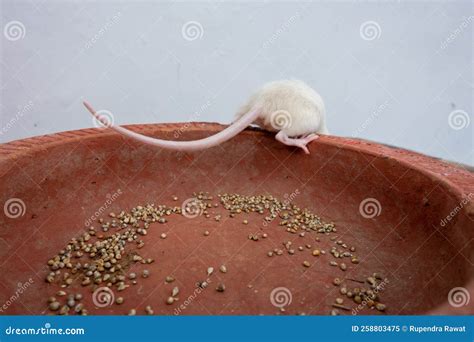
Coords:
pixel 63 179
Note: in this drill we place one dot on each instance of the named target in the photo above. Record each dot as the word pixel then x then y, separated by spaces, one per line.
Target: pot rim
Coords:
pixel 458 178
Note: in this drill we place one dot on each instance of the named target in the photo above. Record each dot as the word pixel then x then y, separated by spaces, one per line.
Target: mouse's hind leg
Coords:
pixel 298 142
pixel 310 135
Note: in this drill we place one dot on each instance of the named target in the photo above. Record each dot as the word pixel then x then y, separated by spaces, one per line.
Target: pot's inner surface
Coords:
pixel 390 215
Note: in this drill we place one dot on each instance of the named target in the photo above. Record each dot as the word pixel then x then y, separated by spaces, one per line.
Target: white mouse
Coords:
pixel 289 107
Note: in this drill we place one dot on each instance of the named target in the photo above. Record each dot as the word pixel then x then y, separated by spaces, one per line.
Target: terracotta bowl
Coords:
pixel 409 217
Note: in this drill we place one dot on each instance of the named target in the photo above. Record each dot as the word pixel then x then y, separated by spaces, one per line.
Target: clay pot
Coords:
pixel 408 215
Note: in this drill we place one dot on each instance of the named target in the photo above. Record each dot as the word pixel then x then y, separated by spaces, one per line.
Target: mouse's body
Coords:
pixel 289 107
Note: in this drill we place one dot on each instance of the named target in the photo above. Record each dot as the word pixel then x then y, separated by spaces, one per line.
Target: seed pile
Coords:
pixel 107 257
pixel 99 258
pixel 291 216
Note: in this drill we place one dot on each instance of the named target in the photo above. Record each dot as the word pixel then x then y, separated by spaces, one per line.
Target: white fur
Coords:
pixel 290 106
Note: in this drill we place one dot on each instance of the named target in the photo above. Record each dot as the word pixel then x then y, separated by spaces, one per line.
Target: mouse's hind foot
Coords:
pixel 298 142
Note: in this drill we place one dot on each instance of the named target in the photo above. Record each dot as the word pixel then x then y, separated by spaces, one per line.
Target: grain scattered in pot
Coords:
pixel 54 306
pixel 64 310
pixel 149 310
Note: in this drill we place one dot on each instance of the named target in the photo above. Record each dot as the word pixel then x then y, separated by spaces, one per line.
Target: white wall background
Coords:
pixel 132 58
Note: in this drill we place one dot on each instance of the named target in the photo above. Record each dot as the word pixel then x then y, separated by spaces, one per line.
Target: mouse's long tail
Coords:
pixel 194 145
